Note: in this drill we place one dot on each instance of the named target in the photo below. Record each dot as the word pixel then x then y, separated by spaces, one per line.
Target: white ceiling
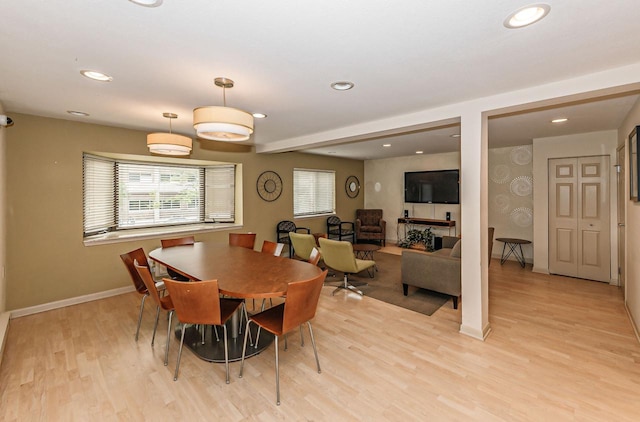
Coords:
pixel 402 56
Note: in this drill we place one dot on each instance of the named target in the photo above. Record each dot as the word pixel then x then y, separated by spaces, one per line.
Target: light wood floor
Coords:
pixel 561 349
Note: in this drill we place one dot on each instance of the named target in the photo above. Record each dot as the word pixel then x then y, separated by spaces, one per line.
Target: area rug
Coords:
pixel 387 287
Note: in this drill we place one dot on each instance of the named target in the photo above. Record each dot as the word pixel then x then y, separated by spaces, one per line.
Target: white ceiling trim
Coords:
pixel 599 84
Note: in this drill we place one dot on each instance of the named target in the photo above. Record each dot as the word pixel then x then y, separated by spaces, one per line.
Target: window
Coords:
pixel 120 195
pixel 313 192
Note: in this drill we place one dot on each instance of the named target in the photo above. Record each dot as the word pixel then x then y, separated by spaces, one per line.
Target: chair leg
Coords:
pixel 175 375
pixel 140 314
pixel 313 342
pixel 244 347
pixel 226 350
pixel 258 332
pixel 277 375
pixel 301 337
pixel 166 350
pixel 155 326
pixel 246 317
pixel 347 286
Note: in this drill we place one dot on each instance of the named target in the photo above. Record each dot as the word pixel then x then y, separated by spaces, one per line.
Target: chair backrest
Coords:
pixel 338 254
pixel 333 220
pixel 301 301
pixel 145 275
pixel 272 248
pixel 286 226
pixel 244 240
pixel 303 244
pixel 169 243
pixel 314 256
pixel 129 258
pixel 195 302
pixel 369 217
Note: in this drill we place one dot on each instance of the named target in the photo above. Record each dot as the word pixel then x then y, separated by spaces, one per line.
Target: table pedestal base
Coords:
pixel 213 350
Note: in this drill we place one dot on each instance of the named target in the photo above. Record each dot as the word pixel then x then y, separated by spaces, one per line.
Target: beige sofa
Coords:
pixel 438 271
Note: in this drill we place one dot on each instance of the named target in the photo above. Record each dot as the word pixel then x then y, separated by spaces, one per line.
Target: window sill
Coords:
pixel 306 217
pixel 155 232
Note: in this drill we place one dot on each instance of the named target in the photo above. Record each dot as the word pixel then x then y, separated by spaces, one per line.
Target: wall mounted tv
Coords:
pixel 432 187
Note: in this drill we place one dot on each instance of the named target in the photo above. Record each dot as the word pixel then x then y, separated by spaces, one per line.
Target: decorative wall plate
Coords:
pixel 352 186
pixel 269 186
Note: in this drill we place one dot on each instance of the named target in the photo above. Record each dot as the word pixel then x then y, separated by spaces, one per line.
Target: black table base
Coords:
pixel 213 350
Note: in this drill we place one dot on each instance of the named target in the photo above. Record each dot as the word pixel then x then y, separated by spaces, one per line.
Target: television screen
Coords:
pixel 432 187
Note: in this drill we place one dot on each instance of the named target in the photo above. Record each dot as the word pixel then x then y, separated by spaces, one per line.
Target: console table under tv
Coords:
pixel 425 222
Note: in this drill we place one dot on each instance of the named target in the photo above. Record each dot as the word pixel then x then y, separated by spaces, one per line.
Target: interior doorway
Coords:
pixel 579 220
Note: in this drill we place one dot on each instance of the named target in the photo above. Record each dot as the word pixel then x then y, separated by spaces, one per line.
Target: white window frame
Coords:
pixel 211 219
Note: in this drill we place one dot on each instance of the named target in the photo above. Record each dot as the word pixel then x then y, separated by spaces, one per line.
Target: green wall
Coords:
pixel 46 258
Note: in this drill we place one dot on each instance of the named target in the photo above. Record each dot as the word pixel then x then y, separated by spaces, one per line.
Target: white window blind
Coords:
pixel 313 192
pixel 119 195
pixel 220 193
pixel 99 197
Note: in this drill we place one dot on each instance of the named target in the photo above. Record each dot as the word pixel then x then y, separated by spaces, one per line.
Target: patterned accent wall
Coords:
pixel 511 194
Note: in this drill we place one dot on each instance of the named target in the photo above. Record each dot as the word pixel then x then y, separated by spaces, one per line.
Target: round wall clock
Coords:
pixel 269 186
pixel 352 186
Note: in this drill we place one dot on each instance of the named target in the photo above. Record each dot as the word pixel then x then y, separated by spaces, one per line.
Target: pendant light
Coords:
pixel 169 143
pixel 222 123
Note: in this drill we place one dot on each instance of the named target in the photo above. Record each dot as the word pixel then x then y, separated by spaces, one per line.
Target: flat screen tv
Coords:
pixel 432 187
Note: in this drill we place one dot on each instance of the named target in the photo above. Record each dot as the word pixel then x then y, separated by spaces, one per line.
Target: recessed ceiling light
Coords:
pixel 386 145
pixel 96 76
pixel 561 120
pixel 419 152
pixel 78 113
pixel 342 85
pixel 527 15
pixel 259 115
pixel 147 3
pixel 455 135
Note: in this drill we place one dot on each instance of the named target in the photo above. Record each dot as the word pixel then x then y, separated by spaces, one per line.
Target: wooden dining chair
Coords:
pixel 162 302
pixel 199 302
pixel 272 248
pixel 170 243
pixel 128 260
pixel 245 240
pixel 299 307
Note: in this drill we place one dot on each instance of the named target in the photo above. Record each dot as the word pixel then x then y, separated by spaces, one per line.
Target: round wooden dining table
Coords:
pixel 241 273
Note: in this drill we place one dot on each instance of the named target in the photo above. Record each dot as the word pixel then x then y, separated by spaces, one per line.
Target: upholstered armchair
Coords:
pixel 370 225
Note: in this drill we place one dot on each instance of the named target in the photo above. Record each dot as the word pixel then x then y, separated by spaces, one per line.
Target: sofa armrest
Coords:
pixel 449 241
pixel 430 271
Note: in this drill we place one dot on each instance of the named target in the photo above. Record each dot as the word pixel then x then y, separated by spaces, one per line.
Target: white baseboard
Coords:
pixel 4 329
pixel 633 322
pixel 68 302
pixel 477 334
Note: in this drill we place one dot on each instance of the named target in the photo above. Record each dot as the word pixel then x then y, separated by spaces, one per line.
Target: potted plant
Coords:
pixel 418 238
